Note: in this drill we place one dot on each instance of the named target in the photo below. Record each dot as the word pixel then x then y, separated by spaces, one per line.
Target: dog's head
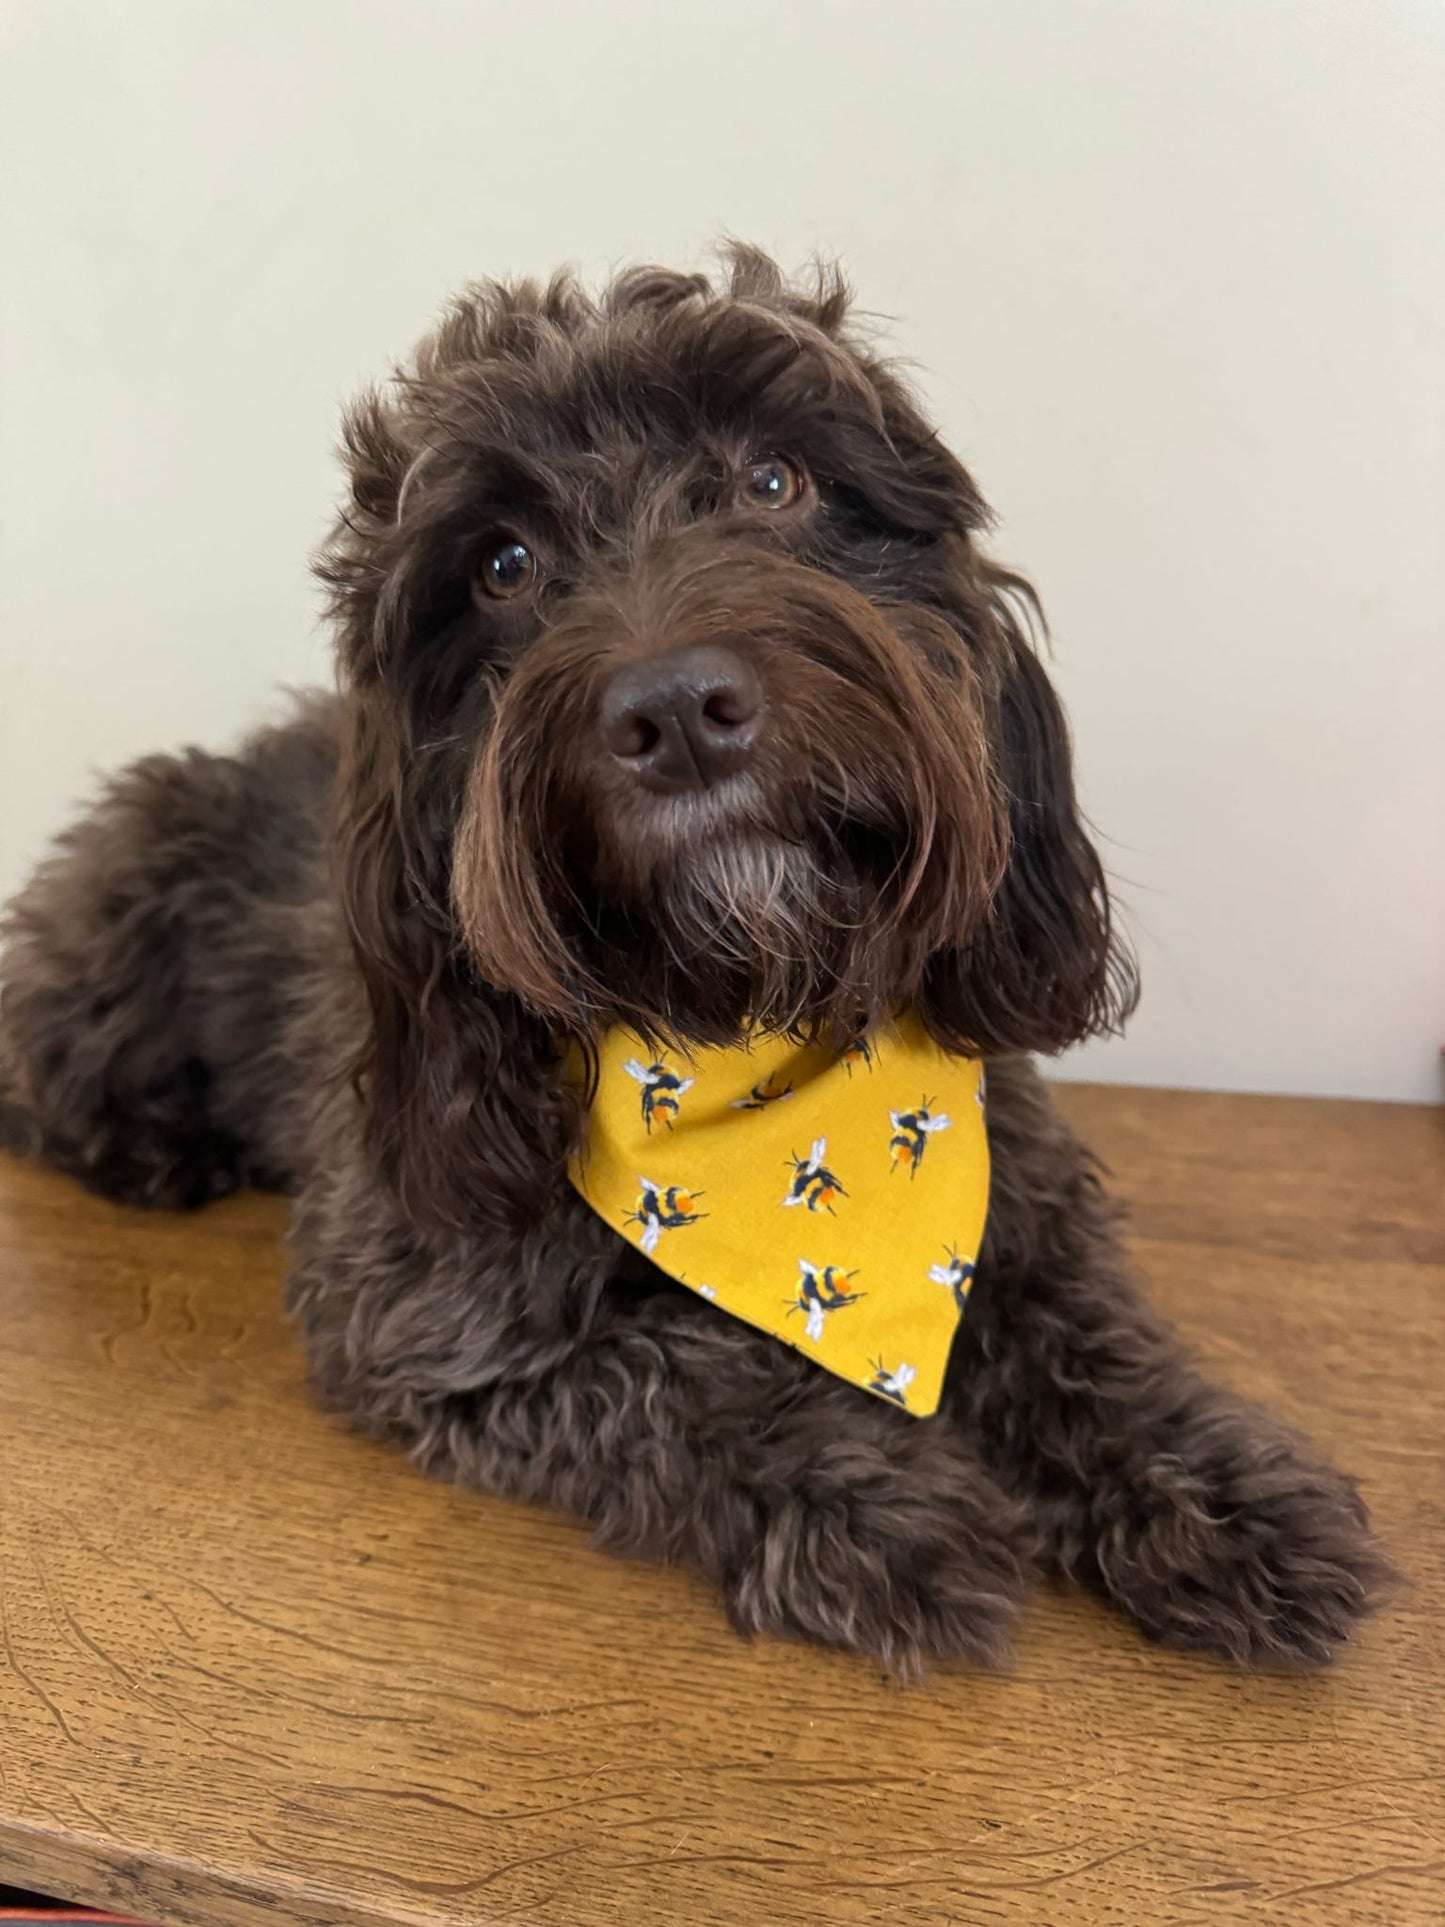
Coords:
pixel 680 696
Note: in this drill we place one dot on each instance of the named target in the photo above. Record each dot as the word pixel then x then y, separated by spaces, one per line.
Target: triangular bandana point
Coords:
pixel 836 1199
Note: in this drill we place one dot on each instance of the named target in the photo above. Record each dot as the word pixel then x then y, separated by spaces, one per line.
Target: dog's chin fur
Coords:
pixel 347 960
pixel 760 909
pixel 740 931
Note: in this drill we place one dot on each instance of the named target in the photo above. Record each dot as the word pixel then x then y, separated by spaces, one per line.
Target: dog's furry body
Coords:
pixel 343 963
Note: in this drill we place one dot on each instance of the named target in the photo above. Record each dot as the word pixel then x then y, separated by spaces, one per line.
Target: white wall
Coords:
pixel 1170 269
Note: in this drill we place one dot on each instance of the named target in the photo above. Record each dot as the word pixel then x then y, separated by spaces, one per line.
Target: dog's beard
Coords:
pixel 788 918
pixel 751 907
pixel 746 930
pixel 751 927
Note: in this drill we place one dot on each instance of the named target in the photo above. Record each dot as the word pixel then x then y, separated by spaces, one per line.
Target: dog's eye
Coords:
pixel 509 569
pixel 772 482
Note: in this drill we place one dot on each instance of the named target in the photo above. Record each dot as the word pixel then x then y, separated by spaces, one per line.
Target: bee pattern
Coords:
pixel 661 1089
pixel 813 1184
pixel 957 1274
pixel 860 1051
pixel 982 1086
pixel 663 1207
pixel 911 1132
pixel 893 1384
pixel 820 1290
pixel 761 1095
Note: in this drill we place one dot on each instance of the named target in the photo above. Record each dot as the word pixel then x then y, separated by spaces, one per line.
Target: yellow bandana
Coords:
pixel 836 1200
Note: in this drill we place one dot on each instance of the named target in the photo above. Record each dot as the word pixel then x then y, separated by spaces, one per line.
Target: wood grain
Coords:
pixel 253 1669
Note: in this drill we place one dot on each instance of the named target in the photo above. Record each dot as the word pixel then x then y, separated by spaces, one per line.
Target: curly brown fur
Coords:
pixel 351 959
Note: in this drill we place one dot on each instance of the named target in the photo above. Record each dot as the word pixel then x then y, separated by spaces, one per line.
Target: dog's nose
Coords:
pixel 684 720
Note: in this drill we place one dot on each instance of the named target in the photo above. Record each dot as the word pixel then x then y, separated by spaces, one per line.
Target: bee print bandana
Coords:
pixel 835 1199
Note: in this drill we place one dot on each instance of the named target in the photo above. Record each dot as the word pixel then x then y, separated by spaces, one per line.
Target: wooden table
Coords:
pixel 252 1669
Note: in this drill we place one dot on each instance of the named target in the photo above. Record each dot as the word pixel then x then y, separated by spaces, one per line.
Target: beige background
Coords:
pixel 1171 274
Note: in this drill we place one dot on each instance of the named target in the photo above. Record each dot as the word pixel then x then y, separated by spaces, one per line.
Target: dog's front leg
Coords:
pixel 561 1369
pixel 1205 1518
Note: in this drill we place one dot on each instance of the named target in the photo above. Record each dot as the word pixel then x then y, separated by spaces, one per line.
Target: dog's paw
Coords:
pixel 1265 1560
pixel 931 1578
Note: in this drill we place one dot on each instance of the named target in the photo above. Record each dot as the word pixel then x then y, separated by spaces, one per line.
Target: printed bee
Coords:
pixel 661 1089
pixel 761 1095
pixel 982 1086
pixel 860 1051
pixel 662 1207
pixel 957 1274
pixel 888 1384
pixel 813 1183
pixel 911 1132
pixel 820 1290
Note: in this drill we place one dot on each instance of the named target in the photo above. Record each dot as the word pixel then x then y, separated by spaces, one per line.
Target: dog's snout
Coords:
pixel 683 720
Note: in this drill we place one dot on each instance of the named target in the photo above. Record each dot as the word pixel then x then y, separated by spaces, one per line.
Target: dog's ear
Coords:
pixel 465 1114
pixel 1048 966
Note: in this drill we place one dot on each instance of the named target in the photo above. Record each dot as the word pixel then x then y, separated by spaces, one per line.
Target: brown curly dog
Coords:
pixel 676 693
